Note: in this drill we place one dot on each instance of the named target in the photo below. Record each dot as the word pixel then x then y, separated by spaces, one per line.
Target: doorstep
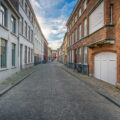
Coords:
pixel 104 87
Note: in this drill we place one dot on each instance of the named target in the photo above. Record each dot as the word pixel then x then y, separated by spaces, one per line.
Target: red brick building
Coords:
pixel 54 54
pixel 94 39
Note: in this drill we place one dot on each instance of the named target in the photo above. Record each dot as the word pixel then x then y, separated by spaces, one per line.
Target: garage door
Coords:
pixel 105 67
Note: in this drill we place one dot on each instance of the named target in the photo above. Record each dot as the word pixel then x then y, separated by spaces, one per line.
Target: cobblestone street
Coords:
pixel 50 93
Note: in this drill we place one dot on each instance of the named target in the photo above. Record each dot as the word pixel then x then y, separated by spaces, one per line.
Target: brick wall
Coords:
pixel 108 32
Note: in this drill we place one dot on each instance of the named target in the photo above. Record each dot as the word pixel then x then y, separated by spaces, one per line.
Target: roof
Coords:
pixel 75 8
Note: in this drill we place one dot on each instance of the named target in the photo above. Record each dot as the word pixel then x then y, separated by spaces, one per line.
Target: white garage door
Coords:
pixel 105 67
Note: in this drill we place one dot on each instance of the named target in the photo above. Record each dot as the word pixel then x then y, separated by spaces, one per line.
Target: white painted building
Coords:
pixel 9 19
pixel 38 43
pixel 26 34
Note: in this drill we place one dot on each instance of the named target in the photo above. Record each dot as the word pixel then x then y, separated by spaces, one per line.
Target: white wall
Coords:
pixel 6 34
pixel 25 41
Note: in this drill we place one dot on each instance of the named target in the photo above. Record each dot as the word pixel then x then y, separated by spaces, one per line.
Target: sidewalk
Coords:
pixel 100 85
pixel 13 79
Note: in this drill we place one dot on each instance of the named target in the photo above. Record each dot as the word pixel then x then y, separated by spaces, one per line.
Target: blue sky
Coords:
pixel 52 16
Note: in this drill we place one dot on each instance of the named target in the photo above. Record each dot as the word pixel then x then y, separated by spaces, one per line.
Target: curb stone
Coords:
pixel 111 99
pixel 2 92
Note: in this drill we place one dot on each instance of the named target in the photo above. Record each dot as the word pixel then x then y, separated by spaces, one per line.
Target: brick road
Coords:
pixel 53 94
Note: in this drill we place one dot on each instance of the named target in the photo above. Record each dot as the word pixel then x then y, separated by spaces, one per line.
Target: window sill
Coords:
pixel 3 69
pixel 4 27
pixel 13 34
pixel 26 38
pixel 13 67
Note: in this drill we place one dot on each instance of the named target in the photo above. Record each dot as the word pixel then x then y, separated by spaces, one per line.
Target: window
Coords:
pixel 72 23
pixel 80 55
pixel 70 26
pixel 26 29
pixel 25 8
pixel 111 14
pixel 70 41
pixel 96 19
pixel 29 14
pixel 31 36
pixel 80 35
pixel 21 26
pixel 21 2
pixel 76 35
pixel 29 33
pixel 29 55
pixel 85 55
pixel 75 19
pixel 25 54
pixel 85 27
pixel 85 5
pixel 13 54
pixel 80 12
pixel 72 38
pixel 4 15
pixel 3 53
pixel 13 22
pixel 72 56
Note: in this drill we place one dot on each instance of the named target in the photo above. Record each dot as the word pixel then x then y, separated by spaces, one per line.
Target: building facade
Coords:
pixel 9 42
pixel 49 54
pixel 26 57
pixel 65 48
pixel 45 50
pixel 54 54
pixel 38 43
pixel 93 39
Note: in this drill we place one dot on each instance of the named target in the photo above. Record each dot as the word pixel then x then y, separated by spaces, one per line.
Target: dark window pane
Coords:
pixel 3 53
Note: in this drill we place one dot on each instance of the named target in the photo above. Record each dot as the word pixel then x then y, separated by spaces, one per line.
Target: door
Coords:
pixel 75 56
pixel 105 67
pixel 21 47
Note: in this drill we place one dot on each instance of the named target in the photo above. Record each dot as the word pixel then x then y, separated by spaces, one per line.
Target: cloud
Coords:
pixel 35 3
pixel 56 44
pixel 52 17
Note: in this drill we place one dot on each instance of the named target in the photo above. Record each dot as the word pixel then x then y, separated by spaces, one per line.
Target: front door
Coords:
pixel 75 56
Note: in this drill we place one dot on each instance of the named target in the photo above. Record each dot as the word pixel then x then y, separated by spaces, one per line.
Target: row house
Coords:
pixel 54 54
pixel 45 51
pixel 62 51
pixel 20 37
pixel 94 39
pixel 26 28
pixel 9 42
pixel 38 43
pixel 65 48
pixel 49 54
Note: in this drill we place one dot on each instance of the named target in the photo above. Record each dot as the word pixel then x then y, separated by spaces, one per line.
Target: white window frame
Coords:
pixel 80 12
pixel 85 55
pixel 111 14
pixel 85 5
pixel 75 35
pixel 80 55
pixel 80 31
pixel 85 27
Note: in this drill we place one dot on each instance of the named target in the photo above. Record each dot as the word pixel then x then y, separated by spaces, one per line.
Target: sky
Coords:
pixel 52 16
